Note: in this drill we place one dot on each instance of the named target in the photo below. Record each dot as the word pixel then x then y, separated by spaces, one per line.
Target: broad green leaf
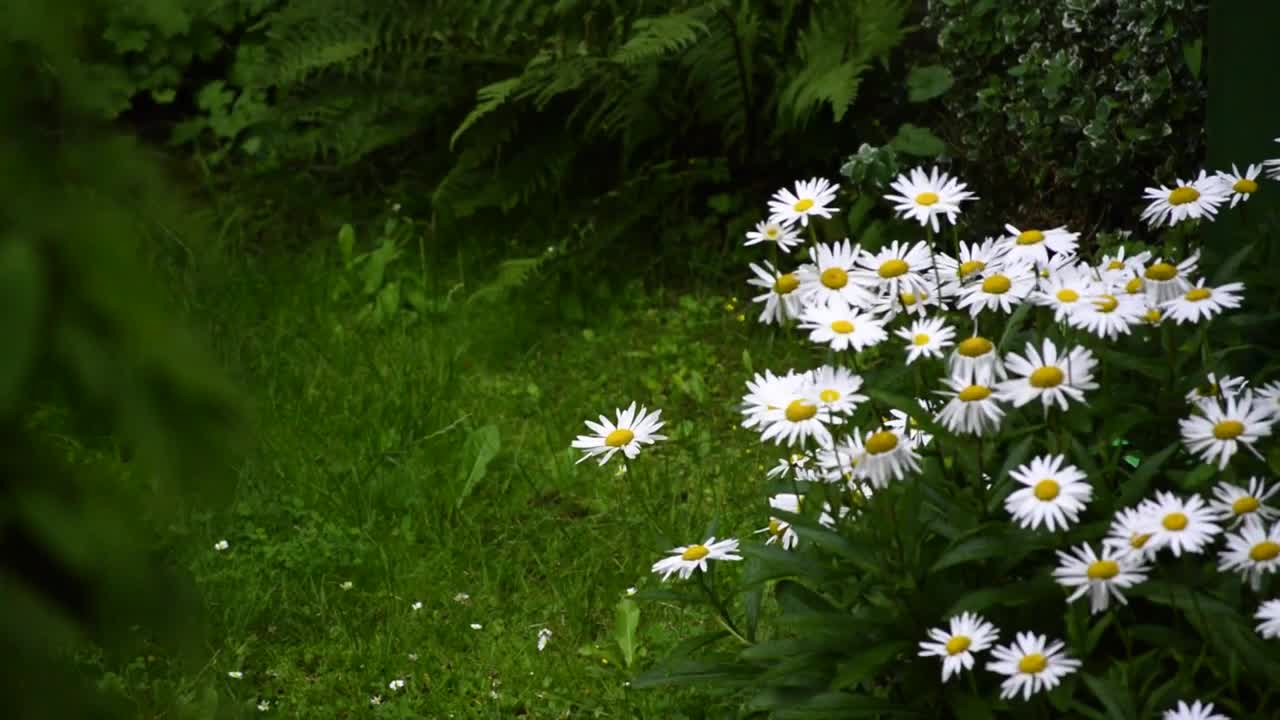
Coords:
pixel 778 563
pixel 347 242
pixel 792 597
pixel 1118 703
pixel 692 672
pixel 1039 588
pixel 863 664
pixel 626 618
pixel 1229 269
pixel 1192 54
pixel 21 305
pixel 917 141
pixel 480 447
pixel 928 82
pixel 978 548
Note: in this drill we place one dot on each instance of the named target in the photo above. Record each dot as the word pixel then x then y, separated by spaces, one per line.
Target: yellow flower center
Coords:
pixel 771 232
pixel 975 346
pixel 970 267
pixel 1245 505
pixel 1046 377
pixel 844 327
pixel 1030 237
pixel 973 393
pixel 1245 185
pixel 1102 570
pixel 1134 286
pixel 619 437
pixel 927 198
pixel 1183 195
pixel 1106 303
pixel 802 205
pixel 1067 295
pixel 1174 521
pixel 1228 429
pixel 829 395
pixel 775 527
pixel 835 278
pixel 908 298
pixel 921 339
pixel 786 283
pixel 1046 490
pixel 893 268
pixel 1139 540
pixel 1115 265
pixel 1264 551
pixel 695 552
pixel 1152 315
pixel 1033 663
pixel 1198 294
pixel 958 644
pixel 1161 271
pixel 799 411
pixel 996 284
pixel 881 442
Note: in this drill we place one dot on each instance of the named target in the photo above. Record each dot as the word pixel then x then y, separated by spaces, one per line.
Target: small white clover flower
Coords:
pixel 544 637
pixel 221 545
pixel 396 684
pixel 417 606
pixel 347 585
pixel 476 626
pixel 264 706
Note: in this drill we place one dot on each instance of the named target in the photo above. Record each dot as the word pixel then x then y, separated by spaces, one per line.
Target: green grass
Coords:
pixel 368 465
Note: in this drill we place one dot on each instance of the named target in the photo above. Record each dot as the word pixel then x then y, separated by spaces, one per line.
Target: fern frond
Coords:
pixel 511 275
pixel 489 98
pixel 655 37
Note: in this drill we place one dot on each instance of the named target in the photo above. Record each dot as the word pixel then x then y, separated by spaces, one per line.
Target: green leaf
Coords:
pixel 481 446
pixel 863 664
pixel 1192 53
pixel 1117 702
pixel 691 672
pixel 1041 587
pixel 917 141
pixel 793 598
pixel 347 242
pixel 1230 268
pixel 979 548
pixel 836 705
pixel 1014 324
pixel 930 81
pixel 778 563
pixel 626 619
pixel 21 305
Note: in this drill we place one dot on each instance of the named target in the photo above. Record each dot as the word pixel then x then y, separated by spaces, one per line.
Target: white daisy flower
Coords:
pixel 968 633
pixel 1033 246
pixel 221 545
pixel 797 416
pixel 1122 266
pixel 1052 493
pixel 836 389
pixel 828 521
pixel 1031 664
pixel 1048 376
pixel 1186 200
pixel 1163 281
pixel 971 409
pixel 1065 292
pixel 1272 167
pixel 632 430
pixel 544 637
pixel 883 455
pixel 1214 390
pixel 780 531
pixel 926 338
pixel 1101 576
pixel 841 327
pixel 1201 303
pixel 1239 504
pixel 975 358
pixel 1219 433
pixel 1194 711
pixel 1240 186
pixel 887 306
pixel 768 392
pixel 1131 531
pixel 1269 614
pixel 1064 263
pixel 778 233
pixel 1254 550
pixel 781 297
pixel 685 559
pixel 812 197
pixel 907 427
pixel 1268 396
pixel 799 465
pixel 1181 524
pixel 828 278
pixel 1000 289
pixel 925 197
pixel 837 462
pixel 974 258
pixel 897 268
pixel 1108 316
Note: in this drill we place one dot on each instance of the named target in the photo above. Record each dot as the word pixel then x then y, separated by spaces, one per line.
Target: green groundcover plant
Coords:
pixel 1024 481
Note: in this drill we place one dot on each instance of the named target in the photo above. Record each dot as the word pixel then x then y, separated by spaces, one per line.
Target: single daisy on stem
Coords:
pixel 1101 576
pixel 686 559
pixel 632 430
pixel 1181 524
pixel 1238 504
pixel 1217 435
pixel 1051 492
pixel 1240 186
pixel 926 338
pixel 1031 664
pixel 773 231
pixel 1186 200
pixel 1048 376
pixel 926 197
pixel 811 197
pixel 967 633
pixel 1254 551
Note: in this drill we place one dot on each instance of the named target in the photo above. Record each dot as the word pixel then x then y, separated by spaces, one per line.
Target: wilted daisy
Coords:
pixel 925 197
pixel 968 633
pixel 1108 316
pixel 1219 433
pixel 1051 492
pixel 841 327
pixel 1254 550
pixel 1201 303
pixel 976 358
pixel 632 430
pixel 1269 614
pixel 971 408
pixel 811 197
pixel 1033 246
pixel 778 233
pixel 884 455
pixel 1000 289
pixel 1048 376
pixel 1215 389
pixel 1181 524
pixel 896 268
pixel 836 389
pixel 1186 200
pixel 1031 664
pixel 1194 711
pixel 828 278
pixel 780 531
pixel 973 259
pixel 687 558
pixel 1101 576
pixel 1131 530
pixel 1238 504
pixel 1163 281
pixel 544 637
pixel 1240 186
pixel 781 297
pixel 926 338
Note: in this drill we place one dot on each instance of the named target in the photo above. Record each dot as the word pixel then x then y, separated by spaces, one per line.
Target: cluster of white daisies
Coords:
pixel 849 298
